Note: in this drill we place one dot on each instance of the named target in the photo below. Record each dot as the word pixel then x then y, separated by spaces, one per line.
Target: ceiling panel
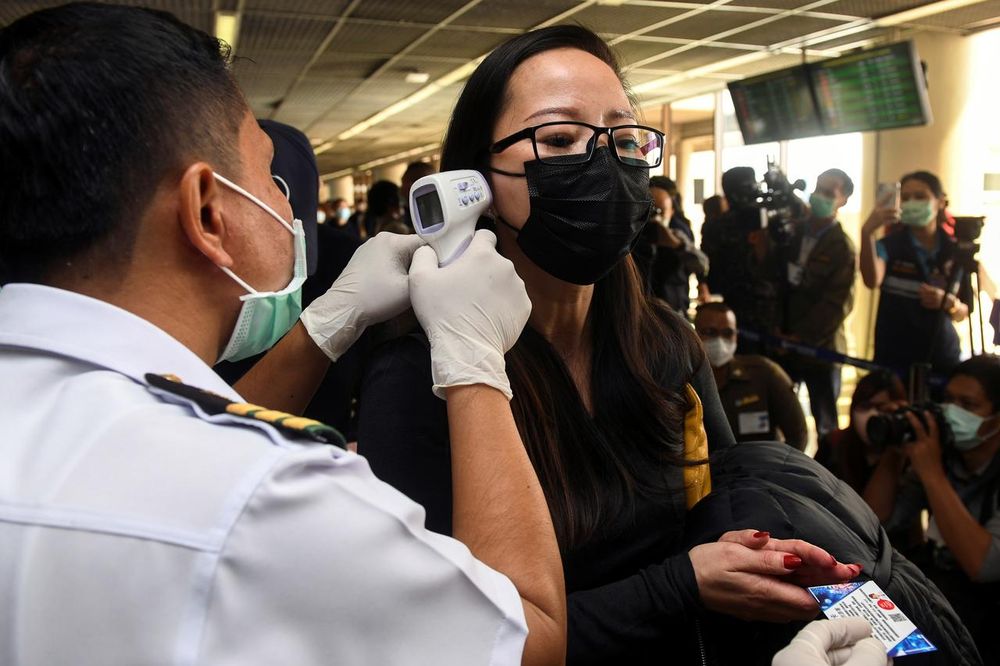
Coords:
pixel 349 81
pixel 785 29
pixel 613 21
pixel 708 24
pixel 464 45
pixel 873 8
pixel 519 14
pixel 368 38
pixel 965 16
pixel 428 11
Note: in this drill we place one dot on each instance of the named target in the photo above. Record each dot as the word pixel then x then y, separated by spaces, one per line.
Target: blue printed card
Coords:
pixel 900 636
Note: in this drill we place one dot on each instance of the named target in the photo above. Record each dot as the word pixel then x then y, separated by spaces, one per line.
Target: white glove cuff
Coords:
pixel 333 332
pixel 457 364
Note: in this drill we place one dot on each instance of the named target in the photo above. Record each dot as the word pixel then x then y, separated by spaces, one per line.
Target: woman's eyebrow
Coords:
pixel 572 112
pixel 555 110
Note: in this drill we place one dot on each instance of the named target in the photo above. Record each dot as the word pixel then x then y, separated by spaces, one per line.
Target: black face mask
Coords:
pixel 584 217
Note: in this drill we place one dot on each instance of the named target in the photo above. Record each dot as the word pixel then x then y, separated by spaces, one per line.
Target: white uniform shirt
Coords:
pixel 134 529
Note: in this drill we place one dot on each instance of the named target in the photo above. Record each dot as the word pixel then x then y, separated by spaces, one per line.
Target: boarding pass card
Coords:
pixel 867 600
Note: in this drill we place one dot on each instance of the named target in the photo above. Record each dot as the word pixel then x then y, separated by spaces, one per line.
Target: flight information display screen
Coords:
pixel 776 106
pixel 876 89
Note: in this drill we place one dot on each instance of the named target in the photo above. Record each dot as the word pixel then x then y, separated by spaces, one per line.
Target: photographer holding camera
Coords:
pixel 741 258
pixel 947 461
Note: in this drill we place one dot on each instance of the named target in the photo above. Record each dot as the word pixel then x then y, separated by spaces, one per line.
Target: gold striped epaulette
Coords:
pixel 212 403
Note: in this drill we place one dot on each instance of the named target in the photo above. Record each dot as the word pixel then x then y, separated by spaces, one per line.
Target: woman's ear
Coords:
pixel 200 213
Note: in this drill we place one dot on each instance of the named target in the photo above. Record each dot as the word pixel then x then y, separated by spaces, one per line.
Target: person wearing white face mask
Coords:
pixel 756 394
pixel 921 286
pixel 960 485
pixel 148 513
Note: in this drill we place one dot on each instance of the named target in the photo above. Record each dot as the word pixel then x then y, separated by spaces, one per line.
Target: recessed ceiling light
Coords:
pixel 417 77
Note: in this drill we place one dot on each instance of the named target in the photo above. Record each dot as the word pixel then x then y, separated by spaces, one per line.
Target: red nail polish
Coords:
pixel 793 561
pixel 761 535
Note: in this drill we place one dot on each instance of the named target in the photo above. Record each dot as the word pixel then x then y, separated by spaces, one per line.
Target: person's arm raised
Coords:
pixel 873 266
pixel 473 311
pixel 373 288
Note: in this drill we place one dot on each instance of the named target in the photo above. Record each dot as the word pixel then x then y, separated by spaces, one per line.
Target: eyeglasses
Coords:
pixel 716 333
pixel 561 142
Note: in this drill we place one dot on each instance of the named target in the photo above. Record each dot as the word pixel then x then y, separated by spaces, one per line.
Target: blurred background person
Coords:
pixel 757 395
pixel 741 260
pixel 848 453
pixel 384 212
pixel 914 267
pixel 414 172
pixel 713 208
pixel 820 265
pixel 952 469
pixel 672 256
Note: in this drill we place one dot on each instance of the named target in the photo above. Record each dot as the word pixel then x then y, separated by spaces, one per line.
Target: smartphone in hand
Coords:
pixel 887 195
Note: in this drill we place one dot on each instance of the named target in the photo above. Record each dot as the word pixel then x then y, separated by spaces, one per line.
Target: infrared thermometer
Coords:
pixel 445 208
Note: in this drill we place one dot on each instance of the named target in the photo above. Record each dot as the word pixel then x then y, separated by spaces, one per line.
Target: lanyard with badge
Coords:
pixel 809 242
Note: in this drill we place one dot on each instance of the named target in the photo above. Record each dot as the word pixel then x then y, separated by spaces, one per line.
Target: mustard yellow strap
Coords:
pixel 697 478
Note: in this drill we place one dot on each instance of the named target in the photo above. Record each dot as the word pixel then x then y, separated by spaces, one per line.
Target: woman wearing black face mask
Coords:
pixel 609 388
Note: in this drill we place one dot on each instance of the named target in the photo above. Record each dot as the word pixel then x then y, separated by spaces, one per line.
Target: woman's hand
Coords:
pixel 843 642
pixel 879 218
pixel 748 575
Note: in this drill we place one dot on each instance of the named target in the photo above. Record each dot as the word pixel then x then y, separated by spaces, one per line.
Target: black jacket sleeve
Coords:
pixel 720 435
pixel 627 616
pixel 403 427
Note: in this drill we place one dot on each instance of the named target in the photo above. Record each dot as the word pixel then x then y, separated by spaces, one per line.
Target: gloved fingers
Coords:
pixel 839 633
pixel 402 245
pixel 424 261
pixel 869 652
pixel 483 239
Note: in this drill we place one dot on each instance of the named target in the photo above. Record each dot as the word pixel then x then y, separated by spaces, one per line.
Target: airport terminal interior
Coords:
pixel 766 124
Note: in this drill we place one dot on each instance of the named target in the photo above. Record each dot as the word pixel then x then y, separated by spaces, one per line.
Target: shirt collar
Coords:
pixel 69 324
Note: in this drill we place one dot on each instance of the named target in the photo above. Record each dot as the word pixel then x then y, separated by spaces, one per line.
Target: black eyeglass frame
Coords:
pixel 529 133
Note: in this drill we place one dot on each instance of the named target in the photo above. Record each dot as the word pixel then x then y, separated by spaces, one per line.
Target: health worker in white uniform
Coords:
pixel 148 515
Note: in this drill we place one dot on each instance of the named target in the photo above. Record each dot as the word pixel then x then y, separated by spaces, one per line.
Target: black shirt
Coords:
pixel 630 589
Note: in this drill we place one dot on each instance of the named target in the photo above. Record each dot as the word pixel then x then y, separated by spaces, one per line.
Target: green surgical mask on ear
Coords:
pixel 916 213
pixel 822 207
pixel 266 316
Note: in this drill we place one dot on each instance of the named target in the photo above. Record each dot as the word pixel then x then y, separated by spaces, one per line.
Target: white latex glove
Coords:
pixel 843 642
pixel 472 310
pixel 373 288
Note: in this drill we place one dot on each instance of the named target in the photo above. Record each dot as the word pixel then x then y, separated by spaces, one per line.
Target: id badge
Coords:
pixel 754 423
pixel 794 274
pixel 867 600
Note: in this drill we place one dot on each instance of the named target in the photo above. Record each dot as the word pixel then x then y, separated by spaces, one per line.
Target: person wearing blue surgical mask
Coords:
pixel 923 285
pixel 959 483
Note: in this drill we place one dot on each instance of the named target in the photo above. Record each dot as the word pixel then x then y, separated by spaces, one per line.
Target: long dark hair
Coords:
pixel 591 468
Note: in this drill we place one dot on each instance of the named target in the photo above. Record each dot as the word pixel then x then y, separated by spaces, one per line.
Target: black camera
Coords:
pixel 769 204
pixel 894 429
